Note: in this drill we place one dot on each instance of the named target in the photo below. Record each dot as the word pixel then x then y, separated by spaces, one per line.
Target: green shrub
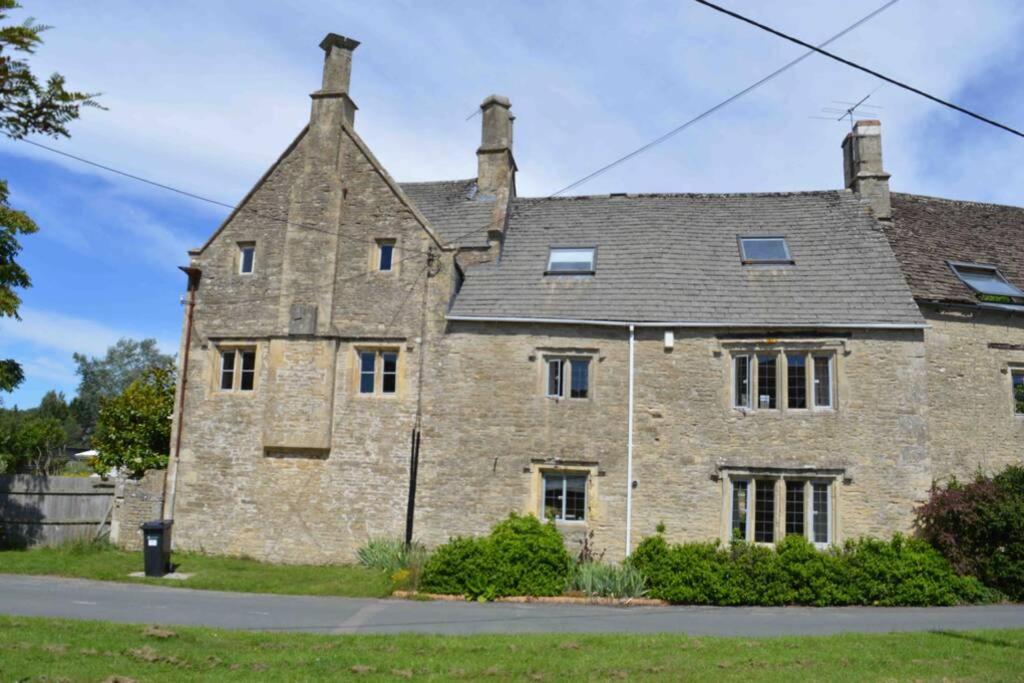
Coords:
pixel 598 579
pixel 521 556
pixel 865 572
pixel 979 528
pixel 390 554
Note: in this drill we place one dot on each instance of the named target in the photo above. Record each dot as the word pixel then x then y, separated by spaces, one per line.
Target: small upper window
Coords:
pixel 238 369
pixel 246 258
pixel 985 280
pixel 764 250
pixel 568 377
pixel 385 255
pixel 571 261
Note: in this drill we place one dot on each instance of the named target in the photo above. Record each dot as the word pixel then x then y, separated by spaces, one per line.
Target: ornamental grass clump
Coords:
pixel 521 556
pixel 391 555
pixel 598 579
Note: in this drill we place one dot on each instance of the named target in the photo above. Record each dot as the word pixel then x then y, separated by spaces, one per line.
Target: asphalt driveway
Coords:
pixel 80 599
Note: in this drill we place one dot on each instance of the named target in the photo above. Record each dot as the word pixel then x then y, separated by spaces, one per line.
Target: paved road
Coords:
pixel 79 599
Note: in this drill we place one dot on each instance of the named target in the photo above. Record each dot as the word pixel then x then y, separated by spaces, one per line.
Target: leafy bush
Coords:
pixel 864 572
pixel 521 556
pixel 979 528
pixel 390 554
pixel 133 430
pixel 607 580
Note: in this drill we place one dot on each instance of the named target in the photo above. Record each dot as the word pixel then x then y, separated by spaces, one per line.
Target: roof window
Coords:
pixel 986 281
pixel 578 260
pixel 764 250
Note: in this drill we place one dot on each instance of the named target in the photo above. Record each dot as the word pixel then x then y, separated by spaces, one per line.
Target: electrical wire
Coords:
pixel 192 195
pixel 847 62
pixel 727 101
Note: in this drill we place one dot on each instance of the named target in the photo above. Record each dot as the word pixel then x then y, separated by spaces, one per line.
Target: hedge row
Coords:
pixel 865 572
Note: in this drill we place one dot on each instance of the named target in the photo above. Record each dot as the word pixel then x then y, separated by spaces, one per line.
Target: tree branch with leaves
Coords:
pixel 28 105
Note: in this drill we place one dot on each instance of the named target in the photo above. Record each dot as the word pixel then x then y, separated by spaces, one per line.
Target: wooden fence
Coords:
pixel 51 510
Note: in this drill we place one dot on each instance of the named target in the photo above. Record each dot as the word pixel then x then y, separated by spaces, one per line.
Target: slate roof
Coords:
pixel 675 258
pixel 927 231
pixel 454 211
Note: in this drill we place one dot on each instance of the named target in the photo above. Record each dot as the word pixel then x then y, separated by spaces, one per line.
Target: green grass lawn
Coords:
pixel 88 561
pixel 59 649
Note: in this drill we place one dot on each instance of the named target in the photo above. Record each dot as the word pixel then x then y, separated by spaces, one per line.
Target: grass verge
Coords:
pixel 55 649
pixel 105 563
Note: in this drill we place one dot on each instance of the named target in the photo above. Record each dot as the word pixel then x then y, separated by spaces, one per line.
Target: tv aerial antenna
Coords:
pixel 851 110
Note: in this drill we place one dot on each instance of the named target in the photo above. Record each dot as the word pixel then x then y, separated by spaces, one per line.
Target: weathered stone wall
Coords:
pixel 971 423
pixel 253 477
pixel 487 435
pixel 135 501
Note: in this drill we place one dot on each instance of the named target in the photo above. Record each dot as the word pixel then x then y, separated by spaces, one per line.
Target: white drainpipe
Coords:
pixel 629 450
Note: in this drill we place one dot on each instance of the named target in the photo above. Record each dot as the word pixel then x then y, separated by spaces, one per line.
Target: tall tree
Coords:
pixel 27 105
pixel 109 376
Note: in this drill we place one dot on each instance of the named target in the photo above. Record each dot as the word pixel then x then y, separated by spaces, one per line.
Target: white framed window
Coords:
pixel 571 261
pixel 742 381
pixel 237 369
pixel 796 381
pixel 767 381
pixel 378 372
pixel 568 377
pixel 821 381
pixel 565 496
pixel 754 250
pixel 246 258
pixel 763 509
pixel 1017 382
pixel 757 380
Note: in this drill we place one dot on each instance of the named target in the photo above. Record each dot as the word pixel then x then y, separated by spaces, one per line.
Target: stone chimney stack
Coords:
pixel 331 103
pixel 496 169
pixel 862 166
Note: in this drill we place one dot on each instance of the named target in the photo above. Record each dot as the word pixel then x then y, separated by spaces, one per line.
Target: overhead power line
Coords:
pixel 847 62
pixel 199 197
pixel 727 101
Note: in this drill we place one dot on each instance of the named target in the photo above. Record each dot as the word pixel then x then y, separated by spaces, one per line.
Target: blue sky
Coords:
pixel 204 96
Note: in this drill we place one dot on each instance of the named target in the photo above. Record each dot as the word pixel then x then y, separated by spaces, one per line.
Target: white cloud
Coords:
pixel 41 329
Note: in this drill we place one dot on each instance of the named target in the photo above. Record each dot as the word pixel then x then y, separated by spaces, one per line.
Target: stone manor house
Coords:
pixel 360 354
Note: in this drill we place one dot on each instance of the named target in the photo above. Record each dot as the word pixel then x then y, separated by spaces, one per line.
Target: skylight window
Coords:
pixel 764 250
pixel 570 261
pixel 985 280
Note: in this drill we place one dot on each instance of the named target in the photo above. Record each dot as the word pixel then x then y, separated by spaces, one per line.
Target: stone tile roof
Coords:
pixel 676 258
pixel 927 231
pixel 454 212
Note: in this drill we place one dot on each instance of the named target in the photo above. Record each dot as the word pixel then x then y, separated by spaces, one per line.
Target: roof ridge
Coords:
pixel 687 195
pixel 439 182
pixel 950 200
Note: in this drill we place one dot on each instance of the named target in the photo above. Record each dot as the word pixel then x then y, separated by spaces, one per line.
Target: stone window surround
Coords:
pixel 219 348
pixel 539 467
pixel 378 370
pixel 374 265
pixel 567 354
pixel 834 348
pixel 830 476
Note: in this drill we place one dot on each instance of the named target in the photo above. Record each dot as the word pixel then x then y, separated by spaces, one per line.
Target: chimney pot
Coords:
pixel 862 166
